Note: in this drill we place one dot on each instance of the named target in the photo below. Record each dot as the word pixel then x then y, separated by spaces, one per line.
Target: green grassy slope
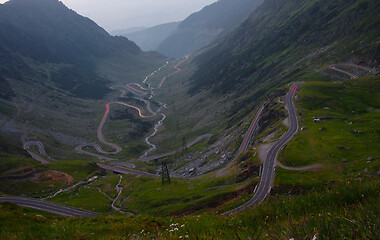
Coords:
pixel 342 211
pixel 345 143
pixel 350 130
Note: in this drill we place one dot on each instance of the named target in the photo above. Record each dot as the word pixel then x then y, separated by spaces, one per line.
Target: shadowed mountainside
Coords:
pixel 201 28
pixel 36 32
pixel 278 40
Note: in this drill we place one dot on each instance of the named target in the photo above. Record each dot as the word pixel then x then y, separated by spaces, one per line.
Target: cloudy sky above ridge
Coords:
pixel 123 14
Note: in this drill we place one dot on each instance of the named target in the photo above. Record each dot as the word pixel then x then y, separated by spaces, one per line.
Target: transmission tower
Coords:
pixel 165 173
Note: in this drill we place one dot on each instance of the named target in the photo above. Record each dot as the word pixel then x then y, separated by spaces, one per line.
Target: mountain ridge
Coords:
pixel 269 38
pixel 150 38
pixel 201 28
pixel 47 32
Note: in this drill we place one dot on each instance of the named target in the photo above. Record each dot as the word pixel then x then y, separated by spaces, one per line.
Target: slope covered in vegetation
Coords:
pixel 282 40
pixel 203 27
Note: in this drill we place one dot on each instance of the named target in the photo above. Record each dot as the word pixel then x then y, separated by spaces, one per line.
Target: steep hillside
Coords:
pixel 283 39
pixel 46 31
pixel 201 28
pixel 149 39
pixel 281 42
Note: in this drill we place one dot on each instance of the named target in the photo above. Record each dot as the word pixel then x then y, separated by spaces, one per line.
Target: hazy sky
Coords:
pixel 121 14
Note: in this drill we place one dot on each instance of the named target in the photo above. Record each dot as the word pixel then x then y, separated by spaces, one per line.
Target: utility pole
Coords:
pixel 165 173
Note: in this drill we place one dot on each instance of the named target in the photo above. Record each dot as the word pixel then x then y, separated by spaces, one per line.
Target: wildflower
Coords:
pixel 183 225
pixel 180 237
pixel 175 229
pixel 186 236
pixel 142 231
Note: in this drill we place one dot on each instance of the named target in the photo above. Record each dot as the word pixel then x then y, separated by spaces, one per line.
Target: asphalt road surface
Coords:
pixel 335 68
pixel 248 135
pixel 125 170
pixel 178 70
pixel 80 150
pixel 49 207
pixel 41 149
pixel 154 157
pixel 364 68
pixel 268 171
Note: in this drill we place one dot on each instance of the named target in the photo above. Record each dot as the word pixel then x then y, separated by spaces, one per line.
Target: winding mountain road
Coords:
pixel 154 157
pixel 122 170
pixel 267 175
pixel 268 171
pixel 262 189
pixel 248 136
pixel 245 143
pixel 135 91
pixel 335 67
pixel 41 149
pixel 117 148
pixel 178 70
pixel 49 207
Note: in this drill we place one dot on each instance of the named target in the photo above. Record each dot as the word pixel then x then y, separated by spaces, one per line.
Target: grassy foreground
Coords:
pixel 346 210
